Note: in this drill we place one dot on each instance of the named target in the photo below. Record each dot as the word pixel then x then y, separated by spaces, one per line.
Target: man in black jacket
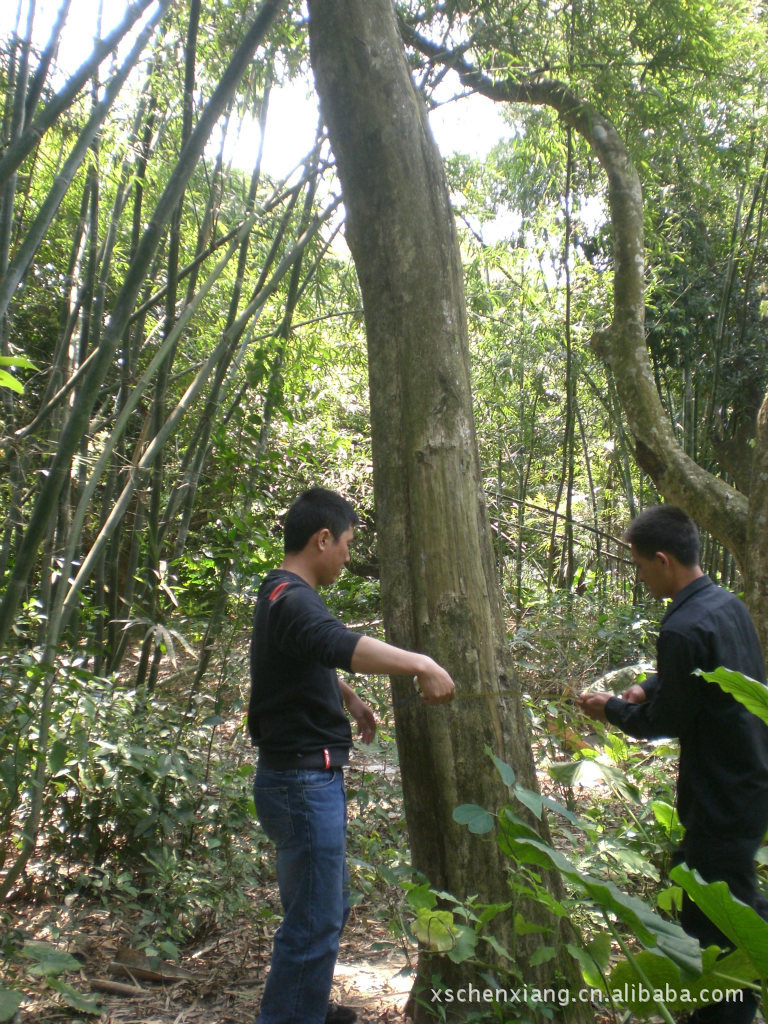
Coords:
pixel 722 785
pixel 296 719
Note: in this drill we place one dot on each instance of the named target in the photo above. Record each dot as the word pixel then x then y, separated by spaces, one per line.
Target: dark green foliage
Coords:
pixel 667 972
pixel 137 808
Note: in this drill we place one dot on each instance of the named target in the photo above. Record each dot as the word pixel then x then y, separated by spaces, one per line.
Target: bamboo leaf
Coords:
pixel 9 381
pixel 18 361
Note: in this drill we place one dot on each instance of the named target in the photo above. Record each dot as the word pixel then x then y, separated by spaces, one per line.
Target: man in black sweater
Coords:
pixel 296 719
pixel 722 785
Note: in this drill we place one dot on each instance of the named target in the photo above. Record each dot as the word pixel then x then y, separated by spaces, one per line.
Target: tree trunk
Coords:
pixel 437 574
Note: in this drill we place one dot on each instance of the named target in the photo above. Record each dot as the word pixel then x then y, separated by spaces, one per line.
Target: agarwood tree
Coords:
pixel 437 574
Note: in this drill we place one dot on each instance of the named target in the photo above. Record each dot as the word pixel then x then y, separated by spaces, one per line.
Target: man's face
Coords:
pixel 654 572
pixel 334 555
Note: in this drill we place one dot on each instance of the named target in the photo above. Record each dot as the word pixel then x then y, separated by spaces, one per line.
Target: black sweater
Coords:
pixel 295 714
pixel 722 786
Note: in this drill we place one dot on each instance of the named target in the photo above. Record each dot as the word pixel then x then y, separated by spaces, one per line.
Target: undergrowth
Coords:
pixel 148 810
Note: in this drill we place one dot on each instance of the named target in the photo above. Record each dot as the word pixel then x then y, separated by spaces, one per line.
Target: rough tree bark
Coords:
pixel 437 576
pixel 739 521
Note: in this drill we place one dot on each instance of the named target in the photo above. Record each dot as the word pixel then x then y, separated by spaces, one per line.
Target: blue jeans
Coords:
pixel 303 811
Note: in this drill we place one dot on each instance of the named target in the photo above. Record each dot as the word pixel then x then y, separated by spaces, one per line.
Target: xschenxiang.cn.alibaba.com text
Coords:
pixel 626 995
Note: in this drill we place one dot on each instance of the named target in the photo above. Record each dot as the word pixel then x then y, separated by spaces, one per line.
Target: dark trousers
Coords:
pixel 730 860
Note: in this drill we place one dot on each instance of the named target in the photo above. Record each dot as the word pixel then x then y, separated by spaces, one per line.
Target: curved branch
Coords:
pixel 718 507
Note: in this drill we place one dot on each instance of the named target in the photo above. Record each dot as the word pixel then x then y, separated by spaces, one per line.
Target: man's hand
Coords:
pixel 363 715
pixel 593 705
pixel 372 655
pixel 635 694
pixel 435 684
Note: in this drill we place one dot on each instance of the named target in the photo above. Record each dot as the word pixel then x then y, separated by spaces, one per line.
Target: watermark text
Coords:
pixel 626 995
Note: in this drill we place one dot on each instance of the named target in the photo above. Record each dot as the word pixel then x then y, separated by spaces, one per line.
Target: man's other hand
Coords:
pixel 593 705
pixel 363 715
pixel 634 695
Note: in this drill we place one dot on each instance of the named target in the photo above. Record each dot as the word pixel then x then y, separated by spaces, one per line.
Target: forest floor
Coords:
pixel 220 981
pixel 220 976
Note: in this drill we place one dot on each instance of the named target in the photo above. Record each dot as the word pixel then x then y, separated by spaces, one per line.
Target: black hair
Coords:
pixel 313 510
pixel 665 528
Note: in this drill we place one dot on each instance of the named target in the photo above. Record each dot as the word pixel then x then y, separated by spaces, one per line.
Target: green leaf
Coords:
pixel 533 801
pixel 752 694
pixel 435 929
pixel 589 970
pixel 57 756
pixel 513 838
pixel 477 819
pixel 666 815
pixel 20 361
pixel 568 773
pixel 169 949
pixel 650 929
pixel 524 927
pixel 49 961
pixel 506 771
pixel 543 955
pixel 670 900
pixel 9 381
pixel 466 943
pixel 666 985
pixel 741 925
pixel 420 897
pixel 9 1003
pixel 617 778
pixel 75 999
pixel 600 950
pixel 491 911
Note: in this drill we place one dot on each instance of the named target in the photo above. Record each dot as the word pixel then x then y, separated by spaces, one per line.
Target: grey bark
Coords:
pixel 437 574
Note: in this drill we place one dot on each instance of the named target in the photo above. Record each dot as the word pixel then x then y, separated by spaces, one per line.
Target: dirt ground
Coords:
pixel 220 982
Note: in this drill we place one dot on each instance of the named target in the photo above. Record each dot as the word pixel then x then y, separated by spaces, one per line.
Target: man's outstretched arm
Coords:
pixel 378 658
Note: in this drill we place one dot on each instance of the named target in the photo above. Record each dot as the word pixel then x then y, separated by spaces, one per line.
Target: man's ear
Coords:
pixel 322 537
pixel 663 557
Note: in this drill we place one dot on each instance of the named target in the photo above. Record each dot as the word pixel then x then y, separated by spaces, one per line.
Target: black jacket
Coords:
pixel 722 785
pixel 295 713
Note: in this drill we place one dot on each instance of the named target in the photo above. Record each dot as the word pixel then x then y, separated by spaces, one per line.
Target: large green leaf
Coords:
pixel 518 840
pixel 752 694
pixel 435 929
pixel 49 961
pixel 742 925
pixel 663 982
pixel 75 999
pixel 650 929
pixel 9 1003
